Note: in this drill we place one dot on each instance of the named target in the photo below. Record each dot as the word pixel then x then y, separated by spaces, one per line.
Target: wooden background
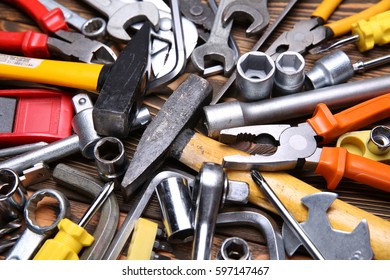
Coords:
pixel 369 199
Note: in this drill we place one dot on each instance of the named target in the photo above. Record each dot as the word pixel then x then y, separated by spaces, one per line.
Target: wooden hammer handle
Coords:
pixel 193 149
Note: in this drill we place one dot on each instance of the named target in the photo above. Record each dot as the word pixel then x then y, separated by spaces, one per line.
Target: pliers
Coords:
pixel 298 146
pixel 64 44
pixel 307 33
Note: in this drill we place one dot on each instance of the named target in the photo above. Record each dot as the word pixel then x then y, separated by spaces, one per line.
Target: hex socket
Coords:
pixel 379 142
pixel 255 76
pixel 234 248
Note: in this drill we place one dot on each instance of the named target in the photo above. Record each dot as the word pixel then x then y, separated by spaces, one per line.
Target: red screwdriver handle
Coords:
pixel 336 163
pixel 48 21
pixel 330 126
pixel 29 43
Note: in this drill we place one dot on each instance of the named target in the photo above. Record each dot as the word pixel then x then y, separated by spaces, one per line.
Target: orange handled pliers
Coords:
pixel 307 33
pixel 298 145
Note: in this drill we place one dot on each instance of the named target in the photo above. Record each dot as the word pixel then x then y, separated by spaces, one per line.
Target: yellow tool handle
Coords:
pixel 344 26
pixel 67 243
pixel 142 240
pixel 375 31
pixel 290 190
pixel 326 9
pixel 58 73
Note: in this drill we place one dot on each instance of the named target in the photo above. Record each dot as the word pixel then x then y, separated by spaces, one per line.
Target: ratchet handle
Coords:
pixel 28 43
pixel 48 21
pixel 336 163
pixel 326 9
pixel 344 26
pixel 330 126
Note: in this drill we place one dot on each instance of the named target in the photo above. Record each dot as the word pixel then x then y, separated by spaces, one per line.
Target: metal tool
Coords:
pixel 337 68
pixel 256 47
pixel 9 234
pixel 255 76
pixel 333 244
pixel 236 114
pixel 289 74
pixel 234 248
pixel 92 28
pixel 262 222
pixel 122 14
pixel 379 139
pixel 75 180
pixel 34 235
pixel 288 219
pixel 308 33
pixel 365 33
pixel 297 146
pixel 67 45
pixel 185 101
pixel 17 150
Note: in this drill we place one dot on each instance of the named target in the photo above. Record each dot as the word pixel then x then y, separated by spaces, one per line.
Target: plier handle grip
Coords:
pixel 298 145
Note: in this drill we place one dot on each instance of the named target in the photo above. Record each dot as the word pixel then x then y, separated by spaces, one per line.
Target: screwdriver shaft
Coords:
pixel 365 65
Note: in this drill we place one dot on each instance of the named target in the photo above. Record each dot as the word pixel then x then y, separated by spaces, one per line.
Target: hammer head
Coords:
pixel 179 111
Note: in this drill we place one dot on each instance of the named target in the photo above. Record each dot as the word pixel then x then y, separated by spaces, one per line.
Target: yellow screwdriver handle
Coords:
pixel 67 243
pixel 326 9
pixel 58 73
pixel 142 240
pixel 344 26
pixel 375 31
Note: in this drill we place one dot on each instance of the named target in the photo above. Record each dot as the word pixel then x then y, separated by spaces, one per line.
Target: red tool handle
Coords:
pixel 48 21
pixel 336 163
pixel 29 43
pixel 330 126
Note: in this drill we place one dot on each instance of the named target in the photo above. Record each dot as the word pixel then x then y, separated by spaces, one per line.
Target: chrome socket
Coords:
pixel 234 248
pixel 379 142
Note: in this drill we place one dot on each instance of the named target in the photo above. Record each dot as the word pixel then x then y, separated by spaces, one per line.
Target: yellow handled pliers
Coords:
pixel 307 33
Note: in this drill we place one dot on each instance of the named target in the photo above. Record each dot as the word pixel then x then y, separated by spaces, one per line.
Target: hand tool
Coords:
pixel 289 73
pixel 308 33
pixel 288 219
pixel 92 28
pixel 255 76
pixel 122 14
pixel 262 222
pixel 34 234
pixel 67 45
pixel 84 141
pixel 9 234
pixel 174 198
pixel 365 33
pixel 17 150
pixel 192 149
pixel 333 244
pixel 372 144
pixel 110 159
pixel 78 181
pixel 19 123
pixel 235 114
pixel 10 227
pixel 72 237
pixel 256 47
pixel 336 68
pixel 177 112
pixel 142 240
pixel 7 243
pixel 234 248
pixel 121 85
pixel 297 146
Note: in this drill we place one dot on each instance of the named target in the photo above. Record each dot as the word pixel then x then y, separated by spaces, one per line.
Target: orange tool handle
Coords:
pixel 336 163
pixel 344 26
pixel 326 9
pixel 330 126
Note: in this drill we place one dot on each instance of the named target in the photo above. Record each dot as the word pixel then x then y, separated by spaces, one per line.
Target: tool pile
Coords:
pixel 129 118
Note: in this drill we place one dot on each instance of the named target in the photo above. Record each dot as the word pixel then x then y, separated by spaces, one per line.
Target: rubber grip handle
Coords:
pixel 48 21
pixel 28 43
pixel 330 126
pixel 344 26
pixel 326 9
pixel 336 163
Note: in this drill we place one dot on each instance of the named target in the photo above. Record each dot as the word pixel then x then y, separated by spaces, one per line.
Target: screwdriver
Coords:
pixel 364 33
pixel 72 237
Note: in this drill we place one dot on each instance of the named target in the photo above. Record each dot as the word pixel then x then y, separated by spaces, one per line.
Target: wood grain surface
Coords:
pixel 364 197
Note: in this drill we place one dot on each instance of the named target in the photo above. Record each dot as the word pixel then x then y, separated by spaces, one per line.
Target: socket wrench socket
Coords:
pixel 289 73
pixel 379 142
pixel 331 69
pixel 110 158
pixel 234 248
pixel 255 76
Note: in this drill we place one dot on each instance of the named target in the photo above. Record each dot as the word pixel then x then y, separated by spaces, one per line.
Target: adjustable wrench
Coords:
pixel 122 14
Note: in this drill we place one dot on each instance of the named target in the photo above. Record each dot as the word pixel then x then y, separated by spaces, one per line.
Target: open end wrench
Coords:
pixel 121 15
